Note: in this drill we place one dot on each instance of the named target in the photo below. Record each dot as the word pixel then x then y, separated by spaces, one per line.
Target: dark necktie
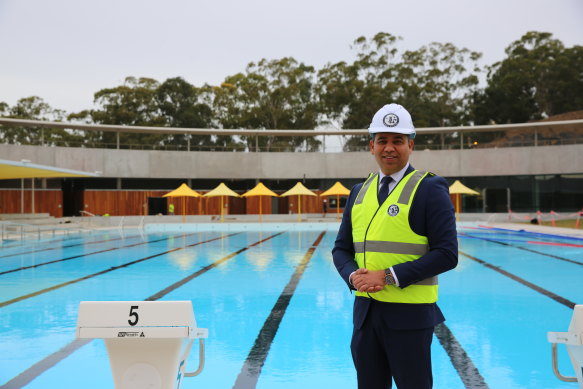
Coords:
pixel 384 189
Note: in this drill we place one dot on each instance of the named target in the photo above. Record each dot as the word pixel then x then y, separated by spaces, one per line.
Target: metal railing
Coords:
pixel 10 231
pixel 432 138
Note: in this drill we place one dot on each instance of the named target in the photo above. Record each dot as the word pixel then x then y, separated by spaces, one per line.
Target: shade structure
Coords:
pixel 24 169
pixel 183 191
pixel 260 190
pixel 221 191
pixel 458 189
pixel 10 170
pixel 299 190
pixel 336 190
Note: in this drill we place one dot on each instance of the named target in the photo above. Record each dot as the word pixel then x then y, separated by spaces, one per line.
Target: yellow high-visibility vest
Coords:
pixel 383 237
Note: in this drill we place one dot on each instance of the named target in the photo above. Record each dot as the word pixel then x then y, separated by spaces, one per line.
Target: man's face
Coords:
pixel 391 151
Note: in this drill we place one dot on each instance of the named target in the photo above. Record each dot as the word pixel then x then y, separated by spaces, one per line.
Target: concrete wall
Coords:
pixel 566 159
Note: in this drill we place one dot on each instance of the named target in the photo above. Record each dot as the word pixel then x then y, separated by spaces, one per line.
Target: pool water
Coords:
pixel 277 311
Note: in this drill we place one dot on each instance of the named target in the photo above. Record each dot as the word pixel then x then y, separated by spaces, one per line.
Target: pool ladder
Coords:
pixel 573 339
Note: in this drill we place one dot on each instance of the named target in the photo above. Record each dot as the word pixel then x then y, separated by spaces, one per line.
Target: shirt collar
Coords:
pixel 395 176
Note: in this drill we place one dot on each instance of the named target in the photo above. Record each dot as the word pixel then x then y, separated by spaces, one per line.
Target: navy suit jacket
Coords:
pixel 431 215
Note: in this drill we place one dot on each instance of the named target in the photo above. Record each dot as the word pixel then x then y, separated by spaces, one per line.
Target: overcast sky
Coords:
pixel 66 50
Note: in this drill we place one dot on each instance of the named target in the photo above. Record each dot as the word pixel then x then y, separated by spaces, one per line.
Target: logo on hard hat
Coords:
pixel 393 210
pixel 391 120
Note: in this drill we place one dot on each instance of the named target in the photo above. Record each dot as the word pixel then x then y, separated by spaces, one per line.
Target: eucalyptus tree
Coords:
pixel 439 81
pixel 566 92
pixel 183 105
pixel 350 93
pixel 539 77
pixel 270 94
pixel 35 108
pixel 435 83
pixel 133 103
pixel 4 107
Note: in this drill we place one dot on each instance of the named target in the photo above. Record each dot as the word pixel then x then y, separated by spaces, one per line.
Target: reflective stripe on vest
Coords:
pixel 383 237
pixel 364 188
pixel 391 247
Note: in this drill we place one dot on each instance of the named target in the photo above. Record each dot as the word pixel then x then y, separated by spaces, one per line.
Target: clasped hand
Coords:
pixel 369 281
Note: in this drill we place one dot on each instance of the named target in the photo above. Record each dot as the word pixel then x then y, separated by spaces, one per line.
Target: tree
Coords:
pixel 434 83
pixel 183 105
pixel 276 94
pixel 538 78
pixel 439 81
pixel 4 108
pixel 132 104
pixel 566 95
pixel 35 108
pixel 350 94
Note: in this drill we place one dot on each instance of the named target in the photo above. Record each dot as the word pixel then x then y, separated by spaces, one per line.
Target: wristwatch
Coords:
pixel 389 279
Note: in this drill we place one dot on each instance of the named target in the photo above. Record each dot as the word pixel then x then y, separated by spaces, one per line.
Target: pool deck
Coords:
pixel 177 223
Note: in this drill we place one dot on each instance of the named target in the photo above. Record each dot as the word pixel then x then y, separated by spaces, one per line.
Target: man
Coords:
pixel 397 234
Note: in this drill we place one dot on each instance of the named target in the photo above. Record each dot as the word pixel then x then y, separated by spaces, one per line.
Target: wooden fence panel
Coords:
pixel 135 202
pixel 45 201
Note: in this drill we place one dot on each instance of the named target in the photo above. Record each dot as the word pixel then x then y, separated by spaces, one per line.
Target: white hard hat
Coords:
pixel 392 118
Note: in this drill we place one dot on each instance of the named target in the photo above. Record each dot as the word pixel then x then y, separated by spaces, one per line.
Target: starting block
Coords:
pixel 574 342
pixel 148 342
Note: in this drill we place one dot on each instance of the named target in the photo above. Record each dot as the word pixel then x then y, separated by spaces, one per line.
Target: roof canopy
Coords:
pixel 221 190
pixel 12 170
pixel 183 191
pixel 299 189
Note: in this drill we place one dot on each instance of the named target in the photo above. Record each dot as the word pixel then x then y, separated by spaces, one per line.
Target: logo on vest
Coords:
pixel 393 210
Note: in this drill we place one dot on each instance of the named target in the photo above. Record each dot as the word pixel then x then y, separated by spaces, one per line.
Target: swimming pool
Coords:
pixel 275 306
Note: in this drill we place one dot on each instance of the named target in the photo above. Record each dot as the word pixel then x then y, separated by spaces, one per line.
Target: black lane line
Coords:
pixel 51 360
pixel 468 372
pixel 87 254
pixel 58 286
pixel 525 249
pixel 45 364
pixel 251 369
pixel 68 246
pixel 530 285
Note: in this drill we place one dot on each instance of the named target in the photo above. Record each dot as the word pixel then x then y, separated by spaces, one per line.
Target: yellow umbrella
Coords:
pixel 300 190
pixel 221 190
pixel 260 190
pixel 458 189
pixel 183 191
pixel 337 190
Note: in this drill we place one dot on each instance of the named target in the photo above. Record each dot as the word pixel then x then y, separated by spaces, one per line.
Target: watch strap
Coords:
pixel 389 278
